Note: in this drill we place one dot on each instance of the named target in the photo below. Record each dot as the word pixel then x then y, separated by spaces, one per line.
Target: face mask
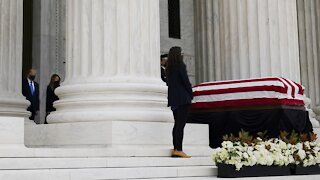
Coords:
pixel 32 78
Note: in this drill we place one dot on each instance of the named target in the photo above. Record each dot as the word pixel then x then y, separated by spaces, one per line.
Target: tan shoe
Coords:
pixel 179 154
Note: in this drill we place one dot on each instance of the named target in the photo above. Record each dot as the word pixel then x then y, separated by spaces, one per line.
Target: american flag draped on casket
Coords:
pixel 249 92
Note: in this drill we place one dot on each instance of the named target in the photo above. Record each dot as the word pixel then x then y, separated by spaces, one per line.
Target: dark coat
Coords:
pixel 34 99
pixel 51 98
pixel 179 87
pixel 163 74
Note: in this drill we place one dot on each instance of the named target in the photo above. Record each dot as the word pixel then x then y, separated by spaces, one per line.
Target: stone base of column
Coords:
pixel 312 113
pixel 113 134
pixel 317 114
pixel 314 118
pixel 113 100
pixel 13 105
pixel 12 132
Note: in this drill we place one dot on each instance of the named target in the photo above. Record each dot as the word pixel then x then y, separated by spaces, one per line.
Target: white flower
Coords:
pixel 307 145
pixel 282 145
pixel 245 155
pixel 250 149
pixel 223 155
pixel 299 146
pixel 238 166
pixel 214 155
pixel 227 144
pixel 302 154
pixel 272 152
pixel 269 160
pixel 239 153
pixel 252 161
pixel 291 160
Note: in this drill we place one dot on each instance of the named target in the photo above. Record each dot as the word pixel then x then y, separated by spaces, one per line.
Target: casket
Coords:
pixel 254 105
pixel 246 93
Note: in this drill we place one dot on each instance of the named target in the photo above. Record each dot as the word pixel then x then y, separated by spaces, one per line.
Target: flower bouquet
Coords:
pixel 248 156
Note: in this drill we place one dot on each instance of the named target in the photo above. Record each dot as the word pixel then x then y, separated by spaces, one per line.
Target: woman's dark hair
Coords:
pixel 52 81
pixel 174 59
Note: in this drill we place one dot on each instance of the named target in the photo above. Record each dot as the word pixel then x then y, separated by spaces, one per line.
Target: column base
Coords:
pixel 316 116
pixel 13 105
pixel 113 134
pixel 111 101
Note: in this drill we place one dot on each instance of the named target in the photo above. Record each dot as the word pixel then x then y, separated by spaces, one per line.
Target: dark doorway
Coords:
pixel 174 19
pixel 27 35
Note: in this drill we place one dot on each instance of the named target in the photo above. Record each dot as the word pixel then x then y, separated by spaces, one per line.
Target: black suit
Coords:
pixel 163 74
pixel 34 99
pixel 51 98
pixel 179 99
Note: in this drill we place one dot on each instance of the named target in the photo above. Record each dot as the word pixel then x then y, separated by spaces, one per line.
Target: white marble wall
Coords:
pixel 187 33
pixel 48 44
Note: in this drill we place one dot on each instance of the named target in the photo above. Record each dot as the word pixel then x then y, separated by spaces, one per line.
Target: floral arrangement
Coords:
pixel 288 149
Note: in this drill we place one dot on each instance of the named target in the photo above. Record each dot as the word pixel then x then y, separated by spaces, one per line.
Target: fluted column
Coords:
pixel 112 74
pixel 246 38
pixel 12 104
pixel 309 36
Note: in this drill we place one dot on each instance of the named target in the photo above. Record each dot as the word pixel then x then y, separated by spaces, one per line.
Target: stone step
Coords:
pixel 116 151
pixel 81 163
pixel 113 133
pixel 110 173
pixel 305 177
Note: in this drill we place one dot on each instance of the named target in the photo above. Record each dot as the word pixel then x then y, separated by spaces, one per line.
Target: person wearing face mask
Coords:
pixel 51 96
pixel 30 89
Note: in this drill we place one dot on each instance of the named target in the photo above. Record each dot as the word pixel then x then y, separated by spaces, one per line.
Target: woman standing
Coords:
pixel 51 96
pixel 179 97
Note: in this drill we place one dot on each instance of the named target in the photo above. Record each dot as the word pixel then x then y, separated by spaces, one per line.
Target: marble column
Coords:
pixel 309 36
pixel 257 38
pixel 12 104
pixel 309 24
pixel 112 66
pixel 246 38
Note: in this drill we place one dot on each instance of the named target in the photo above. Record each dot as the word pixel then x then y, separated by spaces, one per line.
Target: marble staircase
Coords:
pixel 132 156
pixel 105 168
pixel 131 162
pixel 117 168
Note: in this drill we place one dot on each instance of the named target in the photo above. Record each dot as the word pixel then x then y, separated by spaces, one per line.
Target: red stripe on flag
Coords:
pixel 292 87
pixel 241 89
pixel 301 89
pixel 247 102
pixel 238 81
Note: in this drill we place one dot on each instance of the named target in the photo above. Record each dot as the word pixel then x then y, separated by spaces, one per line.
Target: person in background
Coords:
pixel 30 89
pixel 179 97
pixel 51 96
pixel 163 61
